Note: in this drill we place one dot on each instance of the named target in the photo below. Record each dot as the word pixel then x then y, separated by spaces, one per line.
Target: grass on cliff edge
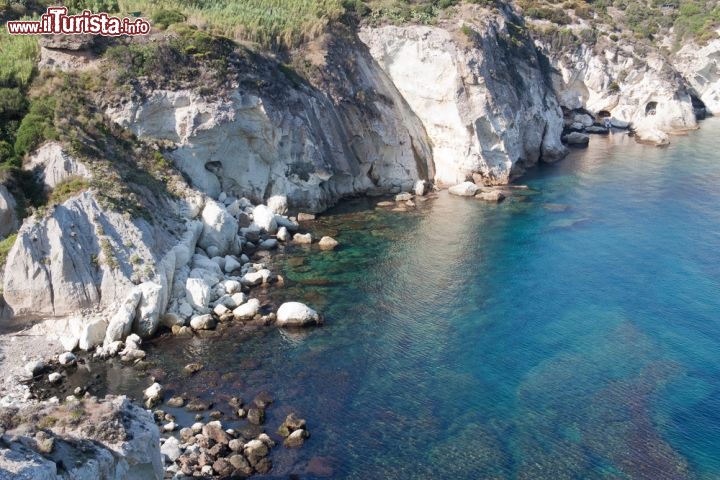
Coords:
pixel 270 23
pixel 282 23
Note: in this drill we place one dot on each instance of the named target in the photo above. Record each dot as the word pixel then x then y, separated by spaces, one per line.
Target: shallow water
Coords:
pixel 572 332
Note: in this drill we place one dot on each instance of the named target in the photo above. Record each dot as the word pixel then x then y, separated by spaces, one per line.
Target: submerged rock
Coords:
pixel 296 439
pixel 291 423
pixel 491 196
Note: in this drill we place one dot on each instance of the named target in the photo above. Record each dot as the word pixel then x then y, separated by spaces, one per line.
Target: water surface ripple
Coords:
pixel 572 332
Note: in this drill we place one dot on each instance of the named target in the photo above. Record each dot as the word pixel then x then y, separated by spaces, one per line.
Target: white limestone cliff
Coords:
pixel 483 99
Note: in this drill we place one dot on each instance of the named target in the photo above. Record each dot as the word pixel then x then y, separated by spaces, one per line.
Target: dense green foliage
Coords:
pixel 36 126
pixel 645 19
pixel 270 23
pixel 18 57
pixel 5 246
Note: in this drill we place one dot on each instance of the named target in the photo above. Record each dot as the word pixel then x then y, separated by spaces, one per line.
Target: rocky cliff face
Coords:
pixel 83 439
pixel 479 90
pixel 371 113
pixel 700 66
pixel 290 138
pixel 8 213
pixel 415 103
pixel 631 83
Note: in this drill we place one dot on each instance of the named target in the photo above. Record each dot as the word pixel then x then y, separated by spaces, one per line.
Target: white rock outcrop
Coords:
pixel 700 66
pixel 643 91
pixel 8 213
pixel 53 165
pixel 486 109
pixel 123 444
pixel 302 143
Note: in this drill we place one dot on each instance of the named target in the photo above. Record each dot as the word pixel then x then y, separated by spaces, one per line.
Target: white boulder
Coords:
pixel 296 314
pixel 121 323
pixel 465 189
pixel 328 243
pixel 278 204
pixel 248 310
pixel 219 229
pixel 283 235
pixel 203 322
pixel 303 238
pixel 198 293
pixel 92 334
pixel 147 315
pixel 264 218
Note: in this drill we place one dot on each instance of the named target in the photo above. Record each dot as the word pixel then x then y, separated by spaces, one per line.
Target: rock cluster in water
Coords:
pixel 210 450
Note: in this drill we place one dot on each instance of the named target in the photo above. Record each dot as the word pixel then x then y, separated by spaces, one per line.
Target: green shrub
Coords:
pixel 12 103
pixel 555 15
pixel 95 6
pixel 5 245
pixel 68 188
pixel 37 126
pixel 165 18
pixel 18 58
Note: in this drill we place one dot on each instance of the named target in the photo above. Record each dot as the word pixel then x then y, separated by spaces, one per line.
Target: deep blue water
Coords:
pixel 571 332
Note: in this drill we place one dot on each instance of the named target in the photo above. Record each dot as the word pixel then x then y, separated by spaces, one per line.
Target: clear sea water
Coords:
pixel 571 332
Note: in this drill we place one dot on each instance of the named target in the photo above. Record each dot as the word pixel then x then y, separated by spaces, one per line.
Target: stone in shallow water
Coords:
pixel 256 416
pixel 491 196
pixel 198 405
pixel 465 189
pixel 296 439
pixel 203 322
pixel 191 368
pixel 176 402
pixel 240 464
pixel 403 197
pixel 153 395
pixel 66 358
pixel 577 139
pixel 303 238
pixel 248 310
pixel 296 314
pixel 263 400
pixel 328 243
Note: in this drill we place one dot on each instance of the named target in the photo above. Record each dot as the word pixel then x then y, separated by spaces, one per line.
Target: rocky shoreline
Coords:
pixel 220 293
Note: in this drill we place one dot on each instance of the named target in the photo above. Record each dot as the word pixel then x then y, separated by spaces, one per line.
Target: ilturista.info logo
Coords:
pixel 57 21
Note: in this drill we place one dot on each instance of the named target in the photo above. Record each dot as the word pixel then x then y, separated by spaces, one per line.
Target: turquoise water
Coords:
pixel 572 332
